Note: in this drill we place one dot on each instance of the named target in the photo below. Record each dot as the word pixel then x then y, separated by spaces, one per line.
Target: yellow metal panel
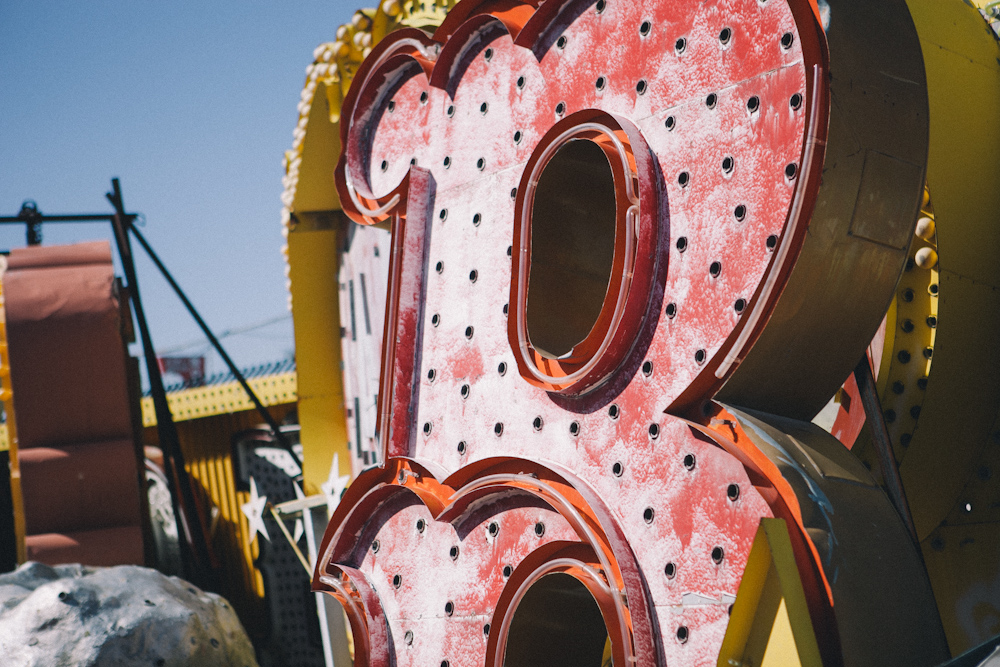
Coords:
pixel 10 433
pixel 207 447
pixel 781 650
pixel 225 398
pixel 320 150
pixel 313 256
pixel 961 562
pixel 770 622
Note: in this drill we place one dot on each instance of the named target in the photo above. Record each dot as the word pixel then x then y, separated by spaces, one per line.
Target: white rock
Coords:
pixel 115 617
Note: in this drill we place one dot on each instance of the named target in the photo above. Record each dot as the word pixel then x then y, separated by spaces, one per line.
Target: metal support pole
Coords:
pixel 883 445
pixel 194 541
pixel 265 415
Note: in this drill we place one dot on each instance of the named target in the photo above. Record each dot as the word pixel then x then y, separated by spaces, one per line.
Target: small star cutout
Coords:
pixel 254 511
pixel 334 485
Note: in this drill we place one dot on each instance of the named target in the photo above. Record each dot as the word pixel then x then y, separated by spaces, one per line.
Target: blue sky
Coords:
pixel 191 105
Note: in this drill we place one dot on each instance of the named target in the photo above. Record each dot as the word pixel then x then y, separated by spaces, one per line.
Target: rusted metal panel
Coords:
pixel 504 464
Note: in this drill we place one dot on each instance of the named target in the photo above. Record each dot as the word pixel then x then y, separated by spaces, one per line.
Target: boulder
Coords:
pixel 82 616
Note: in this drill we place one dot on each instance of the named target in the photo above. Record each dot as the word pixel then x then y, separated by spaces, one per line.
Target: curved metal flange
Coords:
pixel 866 209
pixel 363 527
pixel 875 573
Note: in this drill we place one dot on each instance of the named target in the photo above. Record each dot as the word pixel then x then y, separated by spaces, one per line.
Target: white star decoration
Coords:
pixel 334 485
pixel 254 511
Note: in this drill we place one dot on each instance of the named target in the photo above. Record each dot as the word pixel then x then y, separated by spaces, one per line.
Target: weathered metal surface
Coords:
pixel 364 269
pixel 875 572
pixel 866 210
pixel 504 464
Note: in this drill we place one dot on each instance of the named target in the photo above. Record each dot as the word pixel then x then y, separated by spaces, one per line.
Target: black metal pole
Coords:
pixel 883 445
pixel 194 543
pixel 275 429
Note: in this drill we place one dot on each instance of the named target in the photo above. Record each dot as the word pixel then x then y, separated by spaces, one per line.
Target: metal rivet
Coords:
pixel 465 391
pixel 795 102
pixel 428 427
pixel 421 525
pixel 473 275
pixel 648 515
pixel 423 97
pixel 786 41
pixel 699 357
pixel 683 179
pixel 431 374
pixel 682 634
pixel 502 368
pixel 791 170
pixel 671 310
pixel 476 219
pixel 601 83
pixel 689 461
pixel 537 424
pixel 733 492
pixel 384 165
pixel 740 305
pixel 647 368
pixel 560 108
pixel 498 429
pixel 670 570
pixel 397 581
pixel 680 45
pixel 375 547
pixel 574 428
pixel 725 35
pixel 670 123
pixel 408 637
pixel 561 42
pixel 617 469
pixel 453 552
pixel 488 55
pixel 435 319
pixel 641 86
pixel 468 332
pixel 462 447
pixel 484 108
pixel 645 28
pixel 712 100
pixel 539 529
pixel 717 555
pixel 715 269
pixel 613 411
pixel 493 529
pixel 654 431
